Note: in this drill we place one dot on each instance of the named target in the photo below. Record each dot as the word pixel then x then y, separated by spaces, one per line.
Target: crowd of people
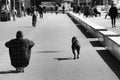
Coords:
pixel 34 11
pixel 89 11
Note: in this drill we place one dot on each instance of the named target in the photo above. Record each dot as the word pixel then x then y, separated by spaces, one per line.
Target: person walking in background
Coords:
pixel 86 10
pixel 44 9
pixel 23 10
pixel 19 51
pixel 33 8
pixel 63 9
pixel 81 8
pixel 28 11
pixel 34 19
pixel 51 8
pixel 78 9
pixel 113 14
pixel 74 8
pixel 56 9
pixel 40 10
pixel 14 13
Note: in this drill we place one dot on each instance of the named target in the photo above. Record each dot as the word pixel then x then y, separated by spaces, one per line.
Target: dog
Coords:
pixel 75 47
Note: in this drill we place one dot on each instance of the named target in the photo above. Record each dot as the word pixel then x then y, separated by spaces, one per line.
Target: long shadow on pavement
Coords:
pixel 61 59
pixel 111 61
pixel 25 27
pixel 81 28
pixel 8 72
pixel 48 51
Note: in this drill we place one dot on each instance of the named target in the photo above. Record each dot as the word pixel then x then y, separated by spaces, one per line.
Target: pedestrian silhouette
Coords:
pixel 56 9
pixel 63 9
pixel 75 47
pixel 19 51
pixel 113 14
pixel 34 19
pixel 86 10
pixel 51 9
pixel 40 10
pixel 14 13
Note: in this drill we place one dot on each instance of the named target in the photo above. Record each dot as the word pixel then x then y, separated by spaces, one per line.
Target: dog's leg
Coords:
pixel 74 54
pixel 73 50
pixel 78 52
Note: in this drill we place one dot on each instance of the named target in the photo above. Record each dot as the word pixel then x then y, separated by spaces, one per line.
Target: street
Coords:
pixel 52 58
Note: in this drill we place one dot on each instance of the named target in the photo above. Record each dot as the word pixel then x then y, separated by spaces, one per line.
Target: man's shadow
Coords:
pixel 9 72
pixel 61 59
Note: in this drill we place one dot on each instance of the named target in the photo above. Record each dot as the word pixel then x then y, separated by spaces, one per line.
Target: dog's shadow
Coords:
pixel 8 72
pixel 61 59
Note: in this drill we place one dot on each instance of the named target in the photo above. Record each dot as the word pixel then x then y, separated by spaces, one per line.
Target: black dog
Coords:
pixel 75 46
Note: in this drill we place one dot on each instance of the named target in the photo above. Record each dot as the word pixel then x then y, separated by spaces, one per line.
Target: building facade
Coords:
pixel 20 6
pixel 97 2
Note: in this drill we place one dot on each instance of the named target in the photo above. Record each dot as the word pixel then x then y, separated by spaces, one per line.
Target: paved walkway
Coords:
pixel 52 58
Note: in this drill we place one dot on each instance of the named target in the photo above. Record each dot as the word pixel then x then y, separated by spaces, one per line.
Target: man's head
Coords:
pixel 19 34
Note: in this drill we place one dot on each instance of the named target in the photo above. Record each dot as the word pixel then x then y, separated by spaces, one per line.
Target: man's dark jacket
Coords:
pixel 113 12
pixel 19 51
